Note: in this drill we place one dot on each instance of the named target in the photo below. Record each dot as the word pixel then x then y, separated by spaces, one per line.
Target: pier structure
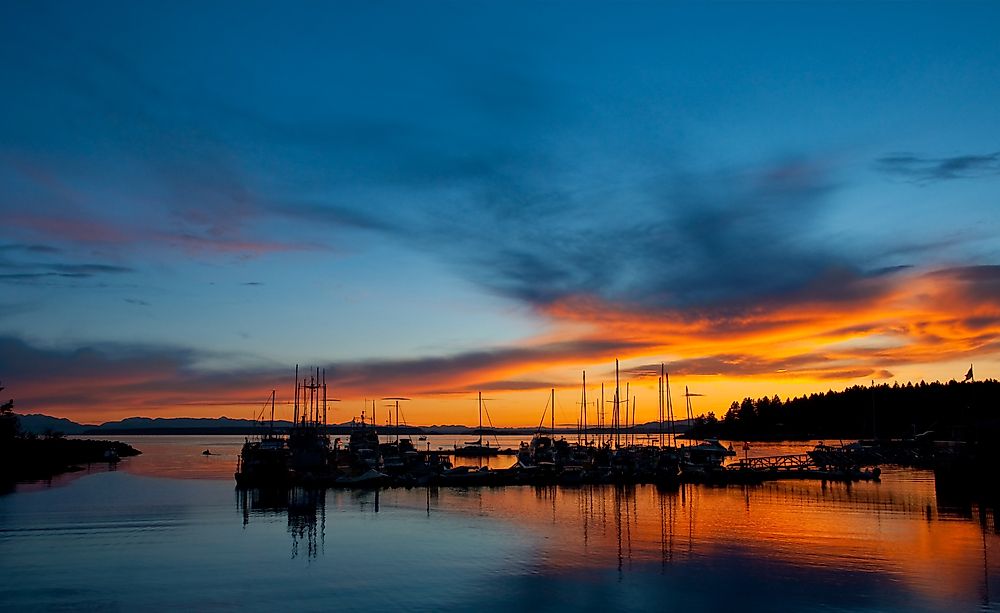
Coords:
pixel 800 461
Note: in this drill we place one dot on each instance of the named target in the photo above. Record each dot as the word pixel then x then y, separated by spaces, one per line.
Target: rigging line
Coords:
pixel 489 420
pixel 260 416
pixel 544 413
pixel 542 420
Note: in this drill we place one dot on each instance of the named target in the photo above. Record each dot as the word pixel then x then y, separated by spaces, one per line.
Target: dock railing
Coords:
pixel 778 462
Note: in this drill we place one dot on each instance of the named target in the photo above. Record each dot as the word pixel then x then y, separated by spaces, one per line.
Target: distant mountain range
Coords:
pixel 42 424
pixel 45 424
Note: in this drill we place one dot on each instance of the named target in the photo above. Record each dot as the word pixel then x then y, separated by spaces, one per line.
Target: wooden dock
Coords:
pixel 777 462
pixel 801 466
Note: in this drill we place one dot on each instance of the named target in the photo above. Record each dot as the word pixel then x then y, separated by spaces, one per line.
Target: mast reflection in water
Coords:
pixel 898 544
pixel 304 508
pixel 122 540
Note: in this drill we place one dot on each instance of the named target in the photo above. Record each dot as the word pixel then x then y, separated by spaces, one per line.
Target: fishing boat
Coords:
pixel 263 460
pixel 364 443
pixel 269 459
pixel 308 442
pixel 477 448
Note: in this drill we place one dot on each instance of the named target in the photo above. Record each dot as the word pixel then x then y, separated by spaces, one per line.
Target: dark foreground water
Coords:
pixel 168 530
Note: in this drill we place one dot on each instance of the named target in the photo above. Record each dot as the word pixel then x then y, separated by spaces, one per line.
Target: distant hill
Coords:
pixel 147 423
pixel 41 424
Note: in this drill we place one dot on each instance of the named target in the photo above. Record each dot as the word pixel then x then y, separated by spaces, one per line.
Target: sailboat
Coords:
pixel 541 450
pixel 705 459
pixel 477 448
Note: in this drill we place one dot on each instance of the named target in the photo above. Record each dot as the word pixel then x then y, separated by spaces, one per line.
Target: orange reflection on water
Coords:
pixel 181 456
pixel 898 529
pixel 892 529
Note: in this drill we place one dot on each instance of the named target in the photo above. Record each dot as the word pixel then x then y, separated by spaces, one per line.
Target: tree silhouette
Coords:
pixel 952 410
pixel 9 423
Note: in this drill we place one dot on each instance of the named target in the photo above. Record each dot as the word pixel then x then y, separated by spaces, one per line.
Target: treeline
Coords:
pixel 953 411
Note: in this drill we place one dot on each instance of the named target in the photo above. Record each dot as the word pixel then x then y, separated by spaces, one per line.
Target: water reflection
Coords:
pixel 305 510
pixel 896 542
pixel 106 541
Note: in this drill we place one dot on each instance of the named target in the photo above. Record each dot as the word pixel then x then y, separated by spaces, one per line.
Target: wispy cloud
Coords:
pixel 153 379
pixel 921 169
pixel 33 271
pixel 743 366
pixel 721 240
pixel 459 371
pixel 29 248
pixel 115 379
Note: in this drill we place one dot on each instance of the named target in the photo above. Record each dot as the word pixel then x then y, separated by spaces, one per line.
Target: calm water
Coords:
pixel 167 530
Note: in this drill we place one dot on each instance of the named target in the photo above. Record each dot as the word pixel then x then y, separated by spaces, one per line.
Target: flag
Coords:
pixel 968 375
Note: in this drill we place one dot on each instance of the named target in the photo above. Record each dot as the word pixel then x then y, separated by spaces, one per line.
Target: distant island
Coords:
pixel 44 424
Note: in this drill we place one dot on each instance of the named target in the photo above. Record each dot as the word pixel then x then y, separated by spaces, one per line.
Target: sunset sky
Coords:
pixel 433 199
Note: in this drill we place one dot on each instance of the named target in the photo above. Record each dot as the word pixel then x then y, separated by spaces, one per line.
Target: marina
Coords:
pixel 306 456
pixel 901 543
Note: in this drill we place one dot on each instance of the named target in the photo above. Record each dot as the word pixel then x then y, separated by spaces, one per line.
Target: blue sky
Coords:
pixel 362 184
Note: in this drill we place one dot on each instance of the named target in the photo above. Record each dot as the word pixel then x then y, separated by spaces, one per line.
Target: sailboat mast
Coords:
pixel 583 407
pixel 295 403
pixel 600 416
pixel 670 409
pixel 628 431
pixel 634 433
pixel 272 410
pixel 617 415
pixel 579 423
pixel 552 417
pixel 687 405
pixel 660 405
pixel 480 418
pixel 690 409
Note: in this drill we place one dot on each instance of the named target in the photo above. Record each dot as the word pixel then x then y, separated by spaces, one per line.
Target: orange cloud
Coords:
pixel 918 324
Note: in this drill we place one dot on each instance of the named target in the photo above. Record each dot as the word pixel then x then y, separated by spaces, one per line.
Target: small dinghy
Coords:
pixel 370 477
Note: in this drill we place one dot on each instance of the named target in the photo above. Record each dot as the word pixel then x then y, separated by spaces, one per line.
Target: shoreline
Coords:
pixel 25 459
